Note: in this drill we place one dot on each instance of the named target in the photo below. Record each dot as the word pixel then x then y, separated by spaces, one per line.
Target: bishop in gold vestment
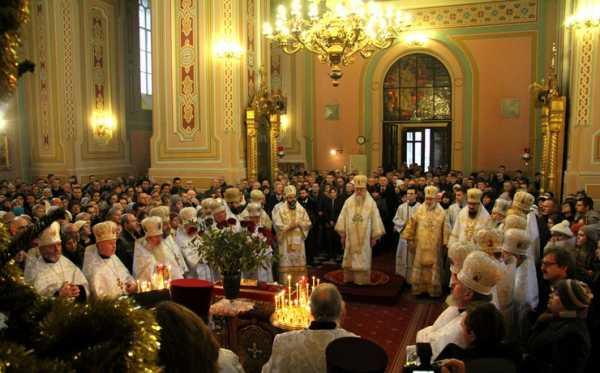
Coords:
pixel 427 232
pixel 359 226
pixel 292 224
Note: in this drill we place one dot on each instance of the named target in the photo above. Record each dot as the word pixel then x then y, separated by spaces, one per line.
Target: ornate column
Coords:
pixel 199 100
pixel 76 108
pixel 583 161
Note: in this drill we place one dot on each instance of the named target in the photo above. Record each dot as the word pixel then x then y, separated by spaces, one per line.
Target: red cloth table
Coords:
pixel 262 292
pixel 250 334
pixel 194 294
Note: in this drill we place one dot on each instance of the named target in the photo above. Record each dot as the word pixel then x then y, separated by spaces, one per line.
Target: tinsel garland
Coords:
pixel 13 13
pixel 58 335
pixel 15 358
pixel 108 335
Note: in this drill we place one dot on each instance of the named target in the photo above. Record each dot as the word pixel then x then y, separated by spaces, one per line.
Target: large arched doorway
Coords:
pixel 417 113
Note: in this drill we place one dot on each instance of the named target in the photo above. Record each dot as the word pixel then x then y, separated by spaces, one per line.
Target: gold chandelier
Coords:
pixel 585 18
pixel 336 30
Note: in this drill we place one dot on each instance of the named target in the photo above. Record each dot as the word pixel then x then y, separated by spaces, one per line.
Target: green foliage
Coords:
pixel 15 358
pixel 100 336
pixel 233 252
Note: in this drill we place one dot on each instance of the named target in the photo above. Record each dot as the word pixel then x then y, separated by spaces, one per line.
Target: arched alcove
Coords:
pixel 372 102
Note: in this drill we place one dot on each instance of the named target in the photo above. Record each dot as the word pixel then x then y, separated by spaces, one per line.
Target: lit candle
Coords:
pixel 290 288
pixel 297 291
pixel 313 283
pixel 306 293
pixel 318 282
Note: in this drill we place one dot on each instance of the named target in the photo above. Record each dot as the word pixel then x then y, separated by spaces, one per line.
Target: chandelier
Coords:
pixel 336 30
pixel 585 18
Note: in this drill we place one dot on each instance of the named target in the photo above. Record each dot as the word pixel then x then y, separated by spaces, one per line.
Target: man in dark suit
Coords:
pixel 274 198
pixel 126 241
pixel 331 206
pixel 311 242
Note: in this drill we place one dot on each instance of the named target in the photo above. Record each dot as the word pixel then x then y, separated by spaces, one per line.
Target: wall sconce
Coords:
pixel 585 18
pixel 336 151
pixel 228 49
pixel 526 156
pixel 2 122
pixel 103 125
pixel 416 39
pixel 285 121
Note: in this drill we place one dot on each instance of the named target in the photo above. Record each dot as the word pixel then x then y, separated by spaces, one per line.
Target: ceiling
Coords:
pixel 407 4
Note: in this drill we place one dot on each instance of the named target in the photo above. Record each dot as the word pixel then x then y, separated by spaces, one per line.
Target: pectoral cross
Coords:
pixel 357 218
pixel 254 351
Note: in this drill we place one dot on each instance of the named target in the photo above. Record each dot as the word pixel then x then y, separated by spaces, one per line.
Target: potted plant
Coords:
pixel 234 251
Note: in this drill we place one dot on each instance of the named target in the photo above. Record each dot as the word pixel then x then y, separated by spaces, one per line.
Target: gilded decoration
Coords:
pixel 552 105
pixel 483 14
pixel 70 126
pixel 187 79
pixel 99 74
pixel 44 75
pixel 228 78
pixel 584 78
pixel 251 49
pixel 263 119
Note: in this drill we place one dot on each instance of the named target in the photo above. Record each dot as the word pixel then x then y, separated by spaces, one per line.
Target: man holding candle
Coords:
pixel 52 274
pixel 106 273
pixel 150 251
pixel 359 226
pixel 292 225
pixel 163 212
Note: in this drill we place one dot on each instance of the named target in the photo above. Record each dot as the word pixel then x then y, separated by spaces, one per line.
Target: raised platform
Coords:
pixel 375 294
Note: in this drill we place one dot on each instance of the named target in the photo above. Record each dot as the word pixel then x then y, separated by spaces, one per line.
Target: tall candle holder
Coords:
pixel 292 308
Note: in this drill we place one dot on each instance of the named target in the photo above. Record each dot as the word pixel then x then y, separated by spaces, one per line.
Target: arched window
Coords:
pixel 417 97
pixel 145 32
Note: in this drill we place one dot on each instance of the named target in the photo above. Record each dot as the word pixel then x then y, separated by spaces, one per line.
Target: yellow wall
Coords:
pixel 583 163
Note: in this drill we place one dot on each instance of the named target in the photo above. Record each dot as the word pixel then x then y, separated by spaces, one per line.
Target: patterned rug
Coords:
pixel 391 327
pixel 377 278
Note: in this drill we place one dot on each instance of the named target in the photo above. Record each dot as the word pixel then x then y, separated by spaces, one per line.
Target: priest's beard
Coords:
pixel 360 199
pixel 473 214
pixel 158 252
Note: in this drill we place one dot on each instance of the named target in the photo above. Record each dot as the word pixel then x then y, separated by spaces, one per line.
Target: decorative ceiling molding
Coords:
pixel 477 14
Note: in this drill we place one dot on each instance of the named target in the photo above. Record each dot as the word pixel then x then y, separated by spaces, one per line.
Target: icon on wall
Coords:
pixel 510 107
pixel 332 112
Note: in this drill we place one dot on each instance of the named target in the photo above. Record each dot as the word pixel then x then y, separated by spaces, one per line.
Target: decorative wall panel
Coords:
pixel 187 78
pixel 228 68
pixel 99 62
pixel 483 14
pixel 68 72
pixel 44 87
pixel 251 49
pixel 102 83
pixel 584 69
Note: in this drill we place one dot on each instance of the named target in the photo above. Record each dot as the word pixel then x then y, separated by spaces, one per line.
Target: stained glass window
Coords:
pixel 417 87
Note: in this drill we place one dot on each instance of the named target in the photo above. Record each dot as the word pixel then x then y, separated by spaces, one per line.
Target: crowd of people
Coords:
pixel 485 238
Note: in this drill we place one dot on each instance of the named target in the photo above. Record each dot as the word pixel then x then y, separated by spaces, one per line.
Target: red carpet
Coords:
pixel 394 325
pixel 391 327
pixel 377 278
pixel 387 286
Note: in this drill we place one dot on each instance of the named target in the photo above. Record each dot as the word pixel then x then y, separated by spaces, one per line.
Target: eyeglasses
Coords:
pixel 548 264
